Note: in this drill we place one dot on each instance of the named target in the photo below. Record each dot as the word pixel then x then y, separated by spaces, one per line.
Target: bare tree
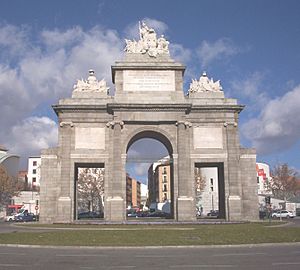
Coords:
pixel 90 189
pixel 9 187
pixel 284 184
pixel 200 183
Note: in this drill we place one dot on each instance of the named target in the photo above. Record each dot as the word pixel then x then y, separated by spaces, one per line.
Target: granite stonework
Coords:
pixel 198 128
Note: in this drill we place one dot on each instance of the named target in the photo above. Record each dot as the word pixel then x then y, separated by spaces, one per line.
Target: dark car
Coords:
pixel 26 217
pixel 89 215
pixel 213 213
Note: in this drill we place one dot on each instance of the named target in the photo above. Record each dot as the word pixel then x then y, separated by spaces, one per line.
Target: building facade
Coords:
pixel 198 130
pixel 133 192
pixel 34 172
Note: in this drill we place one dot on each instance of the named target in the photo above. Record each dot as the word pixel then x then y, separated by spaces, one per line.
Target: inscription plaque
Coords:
pixel 89 138
pixel 208 137
pixel 149 80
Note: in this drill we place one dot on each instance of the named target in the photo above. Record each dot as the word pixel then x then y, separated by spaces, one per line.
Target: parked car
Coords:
pixel 10 218
pixel 213 213
pixel 283 214
pixel 27 217
pixel 89 215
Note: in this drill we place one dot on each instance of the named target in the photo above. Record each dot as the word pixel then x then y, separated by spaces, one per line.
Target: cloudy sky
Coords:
pixel 253 47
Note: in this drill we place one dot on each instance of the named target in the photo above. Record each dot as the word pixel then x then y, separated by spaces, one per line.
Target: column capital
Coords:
pixel 111 124
pixel 185 123
pixel 226 124
pixel 66 123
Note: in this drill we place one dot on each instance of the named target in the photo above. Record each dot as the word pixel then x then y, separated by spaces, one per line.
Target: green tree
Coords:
pixel 284 184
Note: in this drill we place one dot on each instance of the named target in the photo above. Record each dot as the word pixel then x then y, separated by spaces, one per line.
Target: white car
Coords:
pixel 283 214
pixel 10 218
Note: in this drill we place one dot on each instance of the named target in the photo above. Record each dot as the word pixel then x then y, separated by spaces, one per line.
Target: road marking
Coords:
pixel 155 256
pixel 81 255
pixel 203 265
pixel 286 263
pixel 11 253
pixel 10 265
pixel 239 254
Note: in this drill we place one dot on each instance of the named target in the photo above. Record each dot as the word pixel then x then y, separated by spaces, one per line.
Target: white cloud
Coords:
pixel 43 70
pixel 32 135
pixel 208 52
pixel 141 169
pixel 251 89
pixel 278 126
pixel 179 53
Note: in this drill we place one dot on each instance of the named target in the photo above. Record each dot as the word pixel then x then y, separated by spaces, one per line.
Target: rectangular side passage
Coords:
pixel 210 190
pixel 89 191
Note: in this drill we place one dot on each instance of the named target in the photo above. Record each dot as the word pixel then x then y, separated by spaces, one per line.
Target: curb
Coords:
pixel 153 247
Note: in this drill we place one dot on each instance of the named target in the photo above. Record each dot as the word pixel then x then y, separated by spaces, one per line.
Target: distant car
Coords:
pixel 283 214
pixel 213 213
pixel 89 215
pixel 10 218
pixel 27 217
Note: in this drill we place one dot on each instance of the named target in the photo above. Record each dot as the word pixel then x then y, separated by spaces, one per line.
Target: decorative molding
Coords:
pixel 209 156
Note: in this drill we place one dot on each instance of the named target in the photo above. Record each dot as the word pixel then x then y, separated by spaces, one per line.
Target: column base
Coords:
pixel 64 207
pixel 114 209
pixel 234 208
pixel 186 209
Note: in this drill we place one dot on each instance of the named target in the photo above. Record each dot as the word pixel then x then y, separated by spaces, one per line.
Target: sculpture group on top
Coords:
pixel 148 43
pixel 205 85
pixel 91 84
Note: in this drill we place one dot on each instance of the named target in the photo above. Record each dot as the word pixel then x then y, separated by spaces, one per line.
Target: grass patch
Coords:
pixel 156 235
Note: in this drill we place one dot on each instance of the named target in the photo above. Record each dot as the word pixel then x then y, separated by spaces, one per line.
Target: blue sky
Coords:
pixel 253 47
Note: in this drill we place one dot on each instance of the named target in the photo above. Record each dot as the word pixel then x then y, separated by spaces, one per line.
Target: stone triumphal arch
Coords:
pixel 97 126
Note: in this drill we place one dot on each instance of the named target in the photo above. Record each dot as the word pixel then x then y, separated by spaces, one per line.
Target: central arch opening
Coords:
pixel 149 177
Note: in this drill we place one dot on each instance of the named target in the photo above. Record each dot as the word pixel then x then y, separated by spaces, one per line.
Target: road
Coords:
pixel 242 257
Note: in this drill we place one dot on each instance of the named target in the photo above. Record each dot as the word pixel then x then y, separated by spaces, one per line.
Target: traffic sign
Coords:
pixel 36 207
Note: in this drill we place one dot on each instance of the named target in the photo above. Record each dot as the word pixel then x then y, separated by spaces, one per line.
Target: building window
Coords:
pixel 257 180
pixel 34 163
pixel 165 196
pixel 211 181
pixel 165 188
pixel 33 180
pixel 211 188
pixel 165 170
pixel 34 171
pixel 165 178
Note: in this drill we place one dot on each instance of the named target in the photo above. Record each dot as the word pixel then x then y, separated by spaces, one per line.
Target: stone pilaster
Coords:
pixel 64 204
pixel 185 202
pixel 234 200
pixel 115 201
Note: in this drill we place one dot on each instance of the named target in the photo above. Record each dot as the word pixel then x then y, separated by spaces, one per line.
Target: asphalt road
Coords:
pixel 240 257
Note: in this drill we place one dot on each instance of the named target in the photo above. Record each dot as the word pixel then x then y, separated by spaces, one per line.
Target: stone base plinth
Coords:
pixel 234 208
pixel 114 209
pixel 64 207
pixel 185 209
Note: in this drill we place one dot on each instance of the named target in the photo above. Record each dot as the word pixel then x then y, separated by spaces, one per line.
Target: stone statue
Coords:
pixel 204 85
pixel 148 42
pixel 91 84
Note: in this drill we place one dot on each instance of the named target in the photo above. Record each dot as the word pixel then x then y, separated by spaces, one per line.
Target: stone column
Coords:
pixel 115 199
pixel 185 202
pixel 234 203
pixel 64 204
